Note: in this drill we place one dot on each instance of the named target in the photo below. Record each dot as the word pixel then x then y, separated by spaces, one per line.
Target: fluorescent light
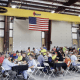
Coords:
pixel 52 11
pixel 14 6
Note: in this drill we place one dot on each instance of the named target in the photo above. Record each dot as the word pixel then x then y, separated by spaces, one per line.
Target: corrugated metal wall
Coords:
pixel 24 38
pixel 61 34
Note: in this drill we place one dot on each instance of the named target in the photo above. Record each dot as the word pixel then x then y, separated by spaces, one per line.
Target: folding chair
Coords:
pixel 5 74
pixel 30 73
pixel 67 70
pixel 49 70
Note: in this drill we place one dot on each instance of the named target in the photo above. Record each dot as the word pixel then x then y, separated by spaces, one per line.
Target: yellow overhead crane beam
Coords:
pixel 6 11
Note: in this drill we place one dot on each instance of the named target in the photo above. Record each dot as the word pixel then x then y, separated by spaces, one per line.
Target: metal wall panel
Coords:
pixel 61 34
pixel 24 38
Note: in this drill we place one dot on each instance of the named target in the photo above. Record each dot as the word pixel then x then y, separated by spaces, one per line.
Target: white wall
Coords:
pixel 24 38
pixel 61 34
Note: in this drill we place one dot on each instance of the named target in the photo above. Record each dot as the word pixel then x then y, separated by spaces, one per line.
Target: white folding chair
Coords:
pixel 67 70
pixel 38 68
pixel 6 74
pixel 30 73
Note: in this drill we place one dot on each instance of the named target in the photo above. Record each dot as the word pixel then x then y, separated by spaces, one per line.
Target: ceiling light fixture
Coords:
pixel 13 6
pixel 52 11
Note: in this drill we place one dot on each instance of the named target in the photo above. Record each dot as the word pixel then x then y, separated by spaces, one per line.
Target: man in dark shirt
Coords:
pixel 25 58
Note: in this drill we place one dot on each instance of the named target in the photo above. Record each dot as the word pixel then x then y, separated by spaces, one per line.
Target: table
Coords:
pixel 55 65
pixel 20 68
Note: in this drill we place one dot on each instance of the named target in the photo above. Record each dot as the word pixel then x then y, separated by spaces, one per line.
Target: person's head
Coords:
pixel 28 47
pixel 66 57
pixel 24 55
pixel 53 53
pixel 57 46
pixel 54 46
pixel 74 53
pixel 7 56
pixel 3 54
pixel 19 54
pixel 48 52
pixel 41 48
pixel 31 57
pixel 34 49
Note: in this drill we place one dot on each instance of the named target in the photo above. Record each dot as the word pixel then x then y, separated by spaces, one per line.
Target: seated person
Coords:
pixel 11 54
pixel 7 65
pixel 2 58
pixel 60 56
pixel 49 54
pixel 43 51
pixel 54 55
pixel 67 61
pixel 40 59
pixel 19 57
pixel 36 52
pixel 15 56
pixel 74 59
pixel 25 58
pixel 46 57
pixel 32 64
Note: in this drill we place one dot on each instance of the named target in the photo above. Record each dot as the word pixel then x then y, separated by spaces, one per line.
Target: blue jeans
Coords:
pixel 25 74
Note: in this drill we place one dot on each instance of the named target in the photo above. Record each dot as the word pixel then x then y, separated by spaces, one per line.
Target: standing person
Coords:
pixel 54 49
pixel 7 65
pixel 44 47
pixel 36 52
pixel 57 48
pixel 32 65
pixel 28 49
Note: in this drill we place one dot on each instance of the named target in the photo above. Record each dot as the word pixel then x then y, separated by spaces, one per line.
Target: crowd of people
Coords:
pixel 67 55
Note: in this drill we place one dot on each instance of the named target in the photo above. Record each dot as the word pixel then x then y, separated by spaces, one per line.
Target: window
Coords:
pixel 74 36
pixel 1 24
pixel 73 24
pixel 43 34
pixel 11 26
pixel 10 33
pixel 1 33
pixel 74 29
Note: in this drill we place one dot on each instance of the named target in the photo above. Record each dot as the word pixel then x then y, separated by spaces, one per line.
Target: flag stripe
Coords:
pixel 38 24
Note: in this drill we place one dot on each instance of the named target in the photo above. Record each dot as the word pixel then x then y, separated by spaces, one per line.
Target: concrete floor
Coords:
pixel 73 76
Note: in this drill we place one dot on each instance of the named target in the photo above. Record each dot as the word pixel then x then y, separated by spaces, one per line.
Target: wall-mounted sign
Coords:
pixel 3 10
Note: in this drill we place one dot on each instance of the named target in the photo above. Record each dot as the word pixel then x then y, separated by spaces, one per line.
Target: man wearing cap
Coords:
pixel 7 65
pixel 32 65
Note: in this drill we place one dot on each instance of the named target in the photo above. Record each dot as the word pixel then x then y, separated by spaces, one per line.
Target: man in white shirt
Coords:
pixel 74 59
pixel 32 65
pixel 7 65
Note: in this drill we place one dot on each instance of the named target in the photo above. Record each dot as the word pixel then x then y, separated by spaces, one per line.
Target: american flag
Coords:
pixel 38 24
